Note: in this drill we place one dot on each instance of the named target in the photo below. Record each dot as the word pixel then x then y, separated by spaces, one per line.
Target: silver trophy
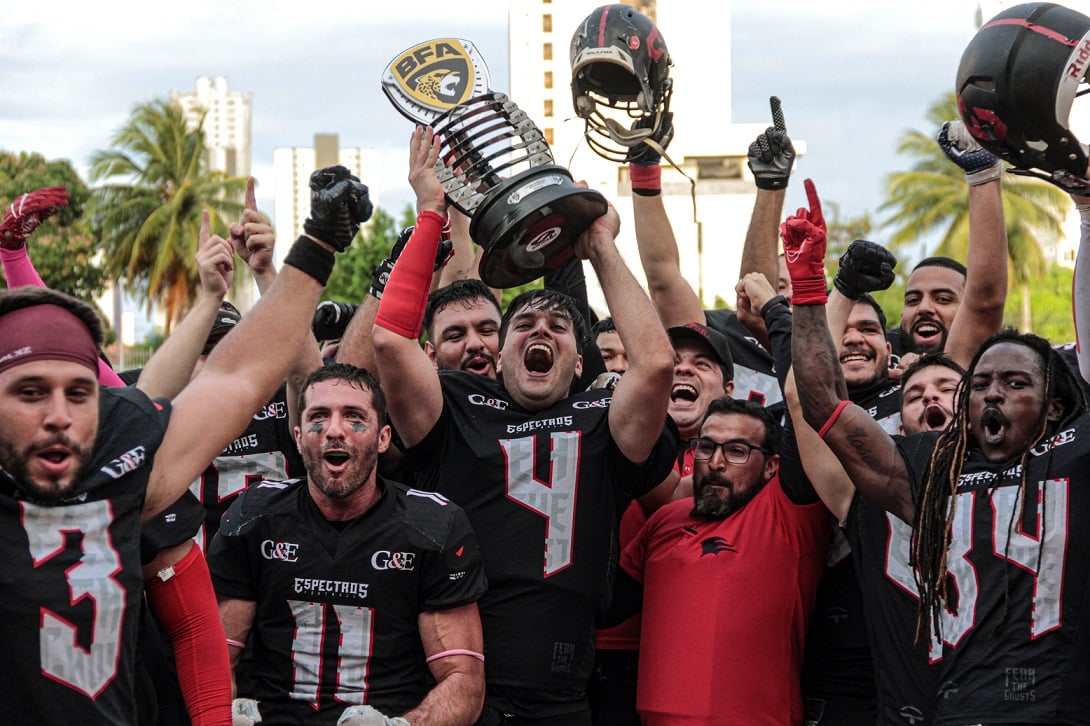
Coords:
pixel 494 164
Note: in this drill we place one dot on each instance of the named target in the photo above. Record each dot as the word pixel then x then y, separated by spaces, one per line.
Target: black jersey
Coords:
pixel 1012 651
pixel 754 369
pixel 71 586
pixel 336 621
pixel 905 681
pixel 544 491
pixel 882 402
pixel 264 451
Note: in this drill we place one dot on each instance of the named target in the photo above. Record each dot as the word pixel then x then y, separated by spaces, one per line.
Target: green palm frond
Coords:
pixel 155 182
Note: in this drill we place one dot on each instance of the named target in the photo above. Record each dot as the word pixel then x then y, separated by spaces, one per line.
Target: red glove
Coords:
pixel 27 212
pixel 804 240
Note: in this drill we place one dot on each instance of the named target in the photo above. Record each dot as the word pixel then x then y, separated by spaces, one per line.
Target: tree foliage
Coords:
pixel 63 248
pixel 932 199
pixel 156 182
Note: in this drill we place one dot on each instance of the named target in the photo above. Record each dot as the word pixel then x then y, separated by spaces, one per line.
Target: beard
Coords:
pixel 716 497
pixel 342 484
pixel 52 488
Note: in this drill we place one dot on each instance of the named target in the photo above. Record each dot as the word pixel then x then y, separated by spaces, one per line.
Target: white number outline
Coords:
pixel 357 625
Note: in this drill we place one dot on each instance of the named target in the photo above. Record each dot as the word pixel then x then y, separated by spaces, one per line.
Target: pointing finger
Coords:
pixel 251 198
pixel 206 228
pixel 815 203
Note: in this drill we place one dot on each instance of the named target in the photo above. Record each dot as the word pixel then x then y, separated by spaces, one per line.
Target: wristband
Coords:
pixel 646 180
pixel 772 302
pixel 235 643
pixel 985 175
pixel 456 651
pixel 833 418
pixel 809 292
pixel 311 259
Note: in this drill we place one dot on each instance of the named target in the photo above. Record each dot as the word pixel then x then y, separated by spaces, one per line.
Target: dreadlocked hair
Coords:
pixel 934 514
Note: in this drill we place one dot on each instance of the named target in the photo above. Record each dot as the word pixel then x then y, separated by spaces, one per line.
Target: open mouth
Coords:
pixel 683 392
pixel 927 330
pixel 993 424
pixel 855 356
pixel 935 418
pixel 478 364
pixel 336 457
pixel 538 358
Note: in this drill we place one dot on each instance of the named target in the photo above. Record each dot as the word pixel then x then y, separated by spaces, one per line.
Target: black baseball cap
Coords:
pixel 712 338
pixel 227 317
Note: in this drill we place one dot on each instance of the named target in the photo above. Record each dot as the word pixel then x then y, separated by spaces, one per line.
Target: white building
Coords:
pixel 292 168
pixel 227 135
pixel 709 242
pixel 227 128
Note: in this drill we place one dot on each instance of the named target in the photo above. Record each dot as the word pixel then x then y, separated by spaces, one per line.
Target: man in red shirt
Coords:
pixel 729 579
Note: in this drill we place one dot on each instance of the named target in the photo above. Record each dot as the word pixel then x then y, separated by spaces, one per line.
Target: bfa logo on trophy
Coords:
pixel 433 77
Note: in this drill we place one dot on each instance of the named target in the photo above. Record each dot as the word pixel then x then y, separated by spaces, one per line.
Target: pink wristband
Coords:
pixel 456 651
pixel 235 643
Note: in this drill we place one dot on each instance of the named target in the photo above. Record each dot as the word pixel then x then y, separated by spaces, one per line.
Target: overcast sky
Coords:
pixel 854 75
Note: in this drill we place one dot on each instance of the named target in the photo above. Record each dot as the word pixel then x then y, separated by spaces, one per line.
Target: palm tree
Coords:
pixel 933 197
pixel 149 212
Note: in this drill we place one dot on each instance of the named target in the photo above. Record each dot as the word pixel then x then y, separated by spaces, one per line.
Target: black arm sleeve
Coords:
pixel 570 280
pixel 778 323
pixel 796 485
pixel 627 600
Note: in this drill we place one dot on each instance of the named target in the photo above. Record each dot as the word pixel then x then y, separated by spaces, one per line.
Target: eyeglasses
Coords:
pixel 735 452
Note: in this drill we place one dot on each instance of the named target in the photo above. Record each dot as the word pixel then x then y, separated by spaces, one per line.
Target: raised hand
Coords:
pixel 423 153
pixel 979 164
pixel 27 212
pixel 381 275
pixel 804 241
pixel 339 204
pixel 215 261
pixel 646 154
pixel 753 291
pixel 252 236
pixel 864 267
pixel 772 155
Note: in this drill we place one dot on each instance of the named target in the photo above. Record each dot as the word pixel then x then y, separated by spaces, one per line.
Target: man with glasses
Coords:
pixel 729 579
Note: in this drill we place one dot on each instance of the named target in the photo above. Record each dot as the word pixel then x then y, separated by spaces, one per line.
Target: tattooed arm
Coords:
pixel 867 452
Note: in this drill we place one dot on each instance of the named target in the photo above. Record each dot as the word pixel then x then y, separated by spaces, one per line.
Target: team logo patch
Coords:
pixel 385 560
pixel 431 78
pixel 715 545
pixel 285 551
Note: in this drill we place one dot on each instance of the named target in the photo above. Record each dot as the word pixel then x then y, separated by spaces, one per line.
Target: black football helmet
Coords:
pixel 619 61
pixel 1016 84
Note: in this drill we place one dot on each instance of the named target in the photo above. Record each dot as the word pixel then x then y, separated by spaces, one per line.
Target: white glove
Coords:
pixel 244 712
pixel 368 716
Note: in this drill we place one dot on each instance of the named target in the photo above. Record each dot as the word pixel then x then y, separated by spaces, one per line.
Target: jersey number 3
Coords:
pixel 88 670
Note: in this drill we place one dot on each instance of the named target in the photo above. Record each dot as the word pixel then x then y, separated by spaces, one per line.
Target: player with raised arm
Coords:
pixel 80 464
pixel 542 475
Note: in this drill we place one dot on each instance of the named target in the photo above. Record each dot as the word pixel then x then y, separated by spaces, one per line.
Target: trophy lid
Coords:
pixel 432 77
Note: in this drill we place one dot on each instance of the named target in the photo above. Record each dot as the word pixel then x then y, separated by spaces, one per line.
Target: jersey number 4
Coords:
pixel 64 659
pixel 555 499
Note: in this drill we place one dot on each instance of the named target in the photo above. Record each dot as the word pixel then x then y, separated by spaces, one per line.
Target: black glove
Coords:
pixel 331 319
pixel 645 154
pixel 865 267
pixel 338 206
pixel 771 155
pixel 382 272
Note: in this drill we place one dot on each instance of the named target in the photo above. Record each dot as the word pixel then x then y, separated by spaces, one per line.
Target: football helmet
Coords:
pixel 1016 84
pixel 619 61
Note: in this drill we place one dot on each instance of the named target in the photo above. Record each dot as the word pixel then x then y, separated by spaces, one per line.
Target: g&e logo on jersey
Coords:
pixel 277 409
pixel 386 560
pixel 478 400
pixel 284 551
pixel 600 403
pixel 131 460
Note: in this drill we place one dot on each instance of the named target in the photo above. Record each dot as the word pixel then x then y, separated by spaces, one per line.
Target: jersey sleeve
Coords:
pixel 638 478
pixel 455 574
pixel 171 527
pixel 228 558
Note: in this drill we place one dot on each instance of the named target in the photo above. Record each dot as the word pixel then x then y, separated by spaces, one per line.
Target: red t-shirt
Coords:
pixel 725 608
